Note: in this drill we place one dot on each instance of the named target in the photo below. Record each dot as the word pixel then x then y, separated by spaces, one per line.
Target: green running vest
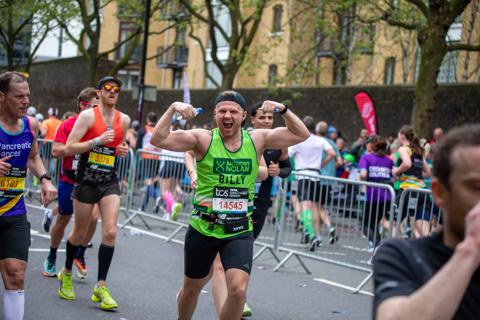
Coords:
pixel 225 184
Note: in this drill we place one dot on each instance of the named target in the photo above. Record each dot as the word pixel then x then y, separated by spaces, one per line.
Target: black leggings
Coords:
pixel 372 214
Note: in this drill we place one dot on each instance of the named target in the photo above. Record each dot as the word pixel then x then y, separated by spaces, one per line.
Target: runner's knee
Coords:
pixel 109 235
pixel 15 275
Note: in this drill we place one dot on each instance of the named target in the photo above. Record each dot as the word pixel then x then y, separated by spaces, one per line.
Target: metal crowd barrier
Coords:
pixel 363 214
pixel 417 215
pixel 124 174
pixel 360 223
pixel 159 187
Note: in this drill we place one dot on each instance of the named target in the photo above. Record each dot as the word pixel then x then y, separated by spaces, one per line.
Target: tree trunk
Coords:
pixel 229 73
pixel 93 71
pixel 433 49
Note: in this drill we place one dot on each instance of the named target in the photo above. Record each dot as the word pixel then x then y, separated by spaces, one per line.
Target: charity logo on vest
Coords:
pixel 232 171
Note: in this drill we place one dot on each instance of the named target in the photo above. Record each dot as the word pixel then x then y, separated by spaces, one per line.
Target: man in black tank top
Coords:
pixel 278 165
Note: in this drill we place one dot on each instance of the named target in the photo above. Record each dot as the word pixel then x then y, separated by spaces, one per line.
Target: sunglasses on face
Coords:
pixel 109 87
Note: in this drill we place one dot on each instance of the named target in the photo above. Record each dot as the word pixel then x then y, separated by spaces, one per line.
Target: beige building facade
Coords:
pixel 290 50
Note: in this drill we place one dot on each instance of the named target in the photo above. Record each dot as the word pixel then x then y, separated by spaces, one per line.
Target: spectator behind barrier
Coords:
pixel 438 277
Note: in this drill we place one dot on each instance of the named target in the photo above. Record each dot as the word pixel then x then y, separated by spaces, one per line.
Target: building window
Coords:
pixel 162 55
pixel 277 18
pixel 129 78
pixel 177 78
pixel 215 73
pixel 365 38
pixel 389 76
pixel 448 68
pixel 222 18
pixel 272 75
pixel 126 30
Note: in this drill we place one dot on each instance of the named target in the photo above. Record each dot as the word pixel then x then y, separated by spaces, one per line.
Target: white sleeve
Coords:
pixel 292 150
pixel 326 145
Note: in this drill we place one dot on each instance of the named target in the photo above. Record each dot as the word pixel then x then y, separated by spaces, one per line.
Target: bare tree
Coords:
pixel 88 14
pixel 244 19
pixel 17 19
pixel 436 17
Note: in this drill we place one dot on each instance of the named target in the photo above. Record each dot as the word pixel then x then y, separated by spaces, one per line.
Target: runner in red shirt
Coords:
pixel 85 100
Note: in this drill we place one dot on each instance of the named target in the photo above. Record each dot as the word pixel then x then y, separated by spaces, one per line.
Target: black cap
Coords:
pixel 231 95
pixel 106 79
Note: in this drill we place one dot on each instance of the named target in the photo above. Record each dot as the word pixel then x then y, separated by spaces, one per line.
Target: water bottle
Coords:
pixel 198 110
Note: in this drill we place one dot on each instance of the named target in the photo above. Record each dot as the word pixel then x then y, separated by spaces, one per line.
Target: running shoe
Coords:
pixel 47 220
pixel 305 239
pixel 49 268
pixel 332 235
pixel 65 290
pixel 247 312
pixel 177 206
pixel 80 268
pixel 315 243
pixel 102 295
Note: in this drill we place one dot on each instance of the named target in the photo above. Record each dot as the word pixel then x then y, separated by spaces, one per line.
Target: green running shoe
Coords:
pixel 65 291
pixel 102 295
pixel 49 268
pixel 176 210
pixel 247 312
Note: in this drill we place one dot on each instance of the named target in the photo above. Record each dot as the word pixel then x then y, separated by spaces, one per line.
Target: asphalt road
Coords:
pixel 147 272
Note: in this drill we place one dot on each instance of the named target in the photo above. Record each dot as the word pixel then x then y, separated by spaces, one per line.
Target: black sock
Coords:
pixel 71 251
pixel 105 254
pixel 53 254
pixel 80 252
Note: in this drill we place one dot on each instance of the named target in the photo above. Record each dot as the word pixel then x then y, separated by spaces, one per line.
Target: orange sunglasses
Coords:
pixel 109 87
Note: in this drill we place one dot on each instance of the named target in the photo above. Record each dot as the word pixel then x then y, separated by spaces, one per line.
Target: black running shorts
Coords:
pixel 14 237
pixel 200 251
pixel 309 190
pixel 93 194
pixel 172 170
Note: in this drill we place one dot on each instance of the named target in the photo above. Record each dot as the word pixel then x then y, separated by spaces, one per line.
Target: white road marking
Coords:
pixel 37 233
pixel 43 250
pixel 339 285
pixel 152 234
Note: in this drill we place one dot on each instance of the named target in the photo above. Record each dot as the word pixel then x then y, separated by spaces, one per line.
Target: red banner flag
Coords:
pixel 367 110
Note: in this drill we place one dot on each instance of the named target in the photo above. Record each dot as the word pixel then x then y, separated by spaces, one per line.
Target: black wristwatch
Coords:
pixel 44 176
pixel 284 110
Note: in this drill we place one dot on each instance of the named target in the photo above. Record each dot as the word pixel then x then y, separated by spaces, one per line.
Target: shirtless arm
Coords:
pixel 82 125
pixel 191 168
pixel 406 162
pixel 122 149
pixel 179 140
pixel 262 169
pixel 283 137
pixel 35 164
pixel 58 150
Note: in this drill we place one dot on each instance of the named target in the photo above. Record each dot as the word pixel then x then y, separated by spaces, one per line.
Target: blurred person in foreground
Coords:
pixel 438 277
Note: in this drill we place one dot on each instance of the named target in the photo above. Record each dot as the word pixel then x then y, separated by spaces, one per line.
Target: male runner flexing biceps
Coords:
pixel 227 167
pixel 98 135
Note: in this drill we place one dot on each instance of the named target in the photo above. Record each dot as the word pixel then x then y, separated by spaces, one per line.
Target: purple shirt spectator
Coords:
pixel 379 170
